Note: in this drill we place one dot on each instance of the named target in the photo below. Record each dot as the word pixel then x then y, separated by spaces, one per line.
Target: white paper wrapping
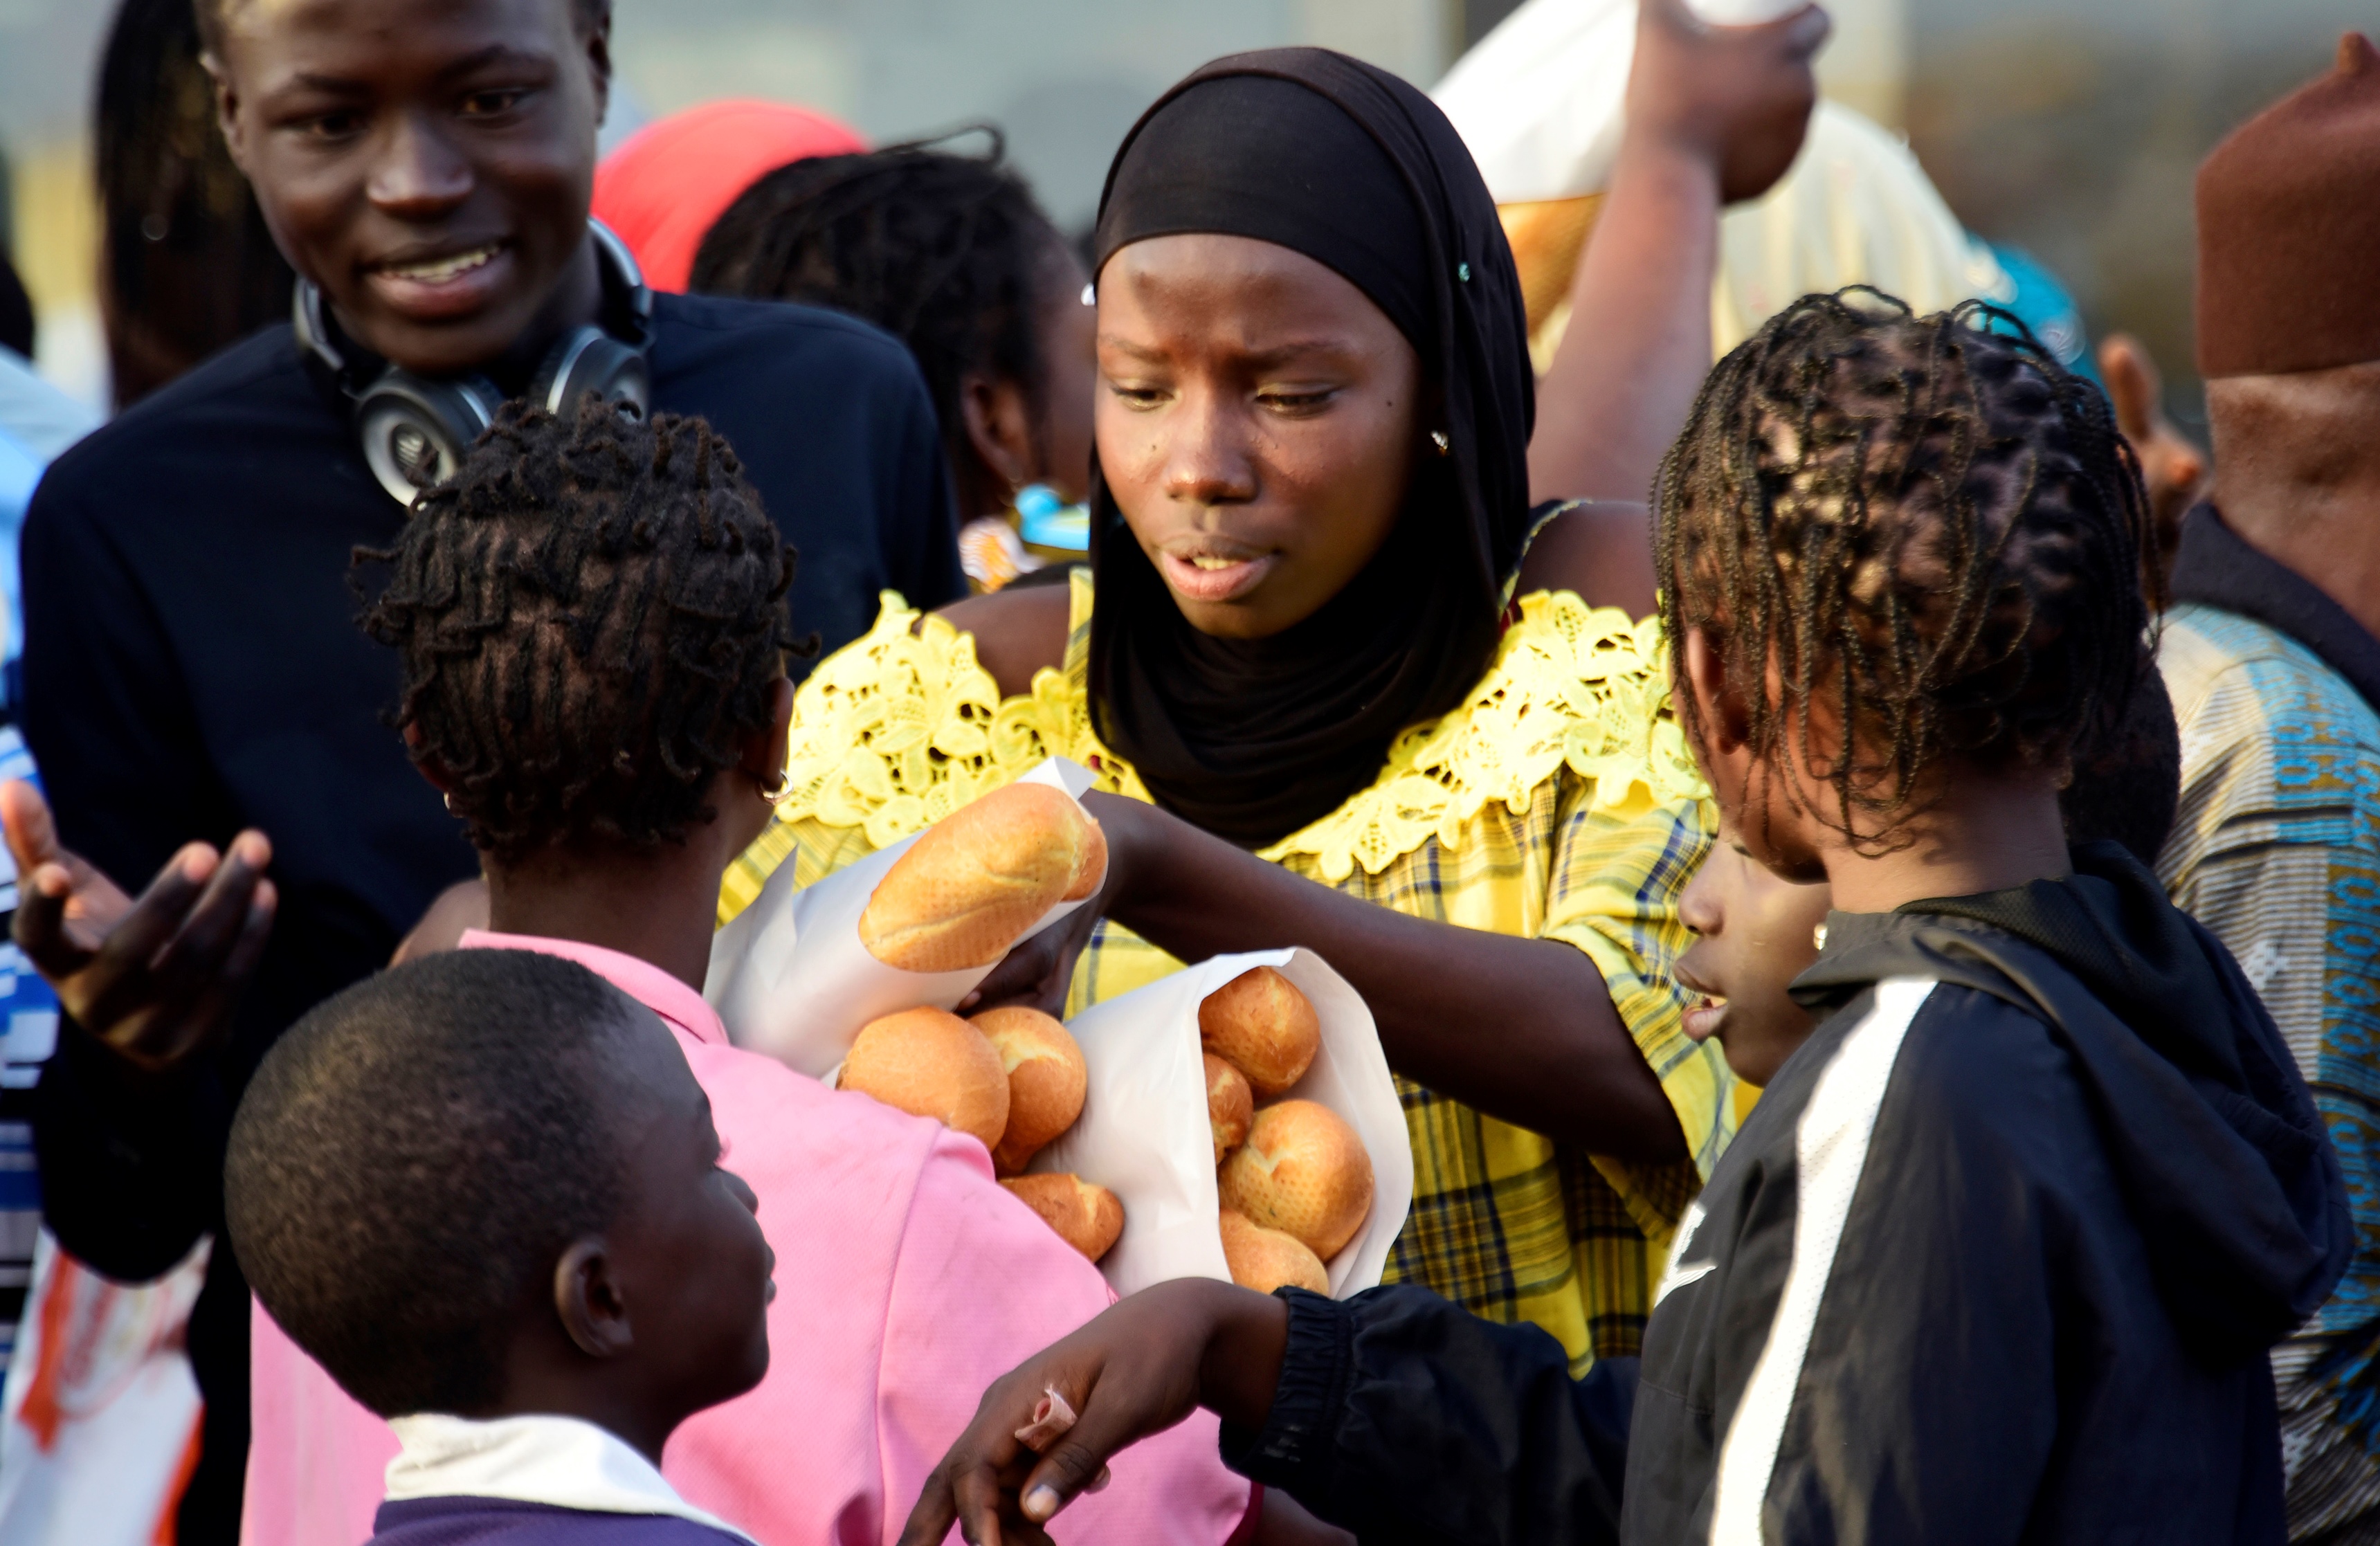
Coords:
pixel 790 978
pixel 1143 1135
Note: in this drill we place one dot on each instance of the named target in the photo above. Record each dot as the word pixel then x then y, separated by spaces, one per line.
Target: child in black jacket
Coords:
pixel 1998 1255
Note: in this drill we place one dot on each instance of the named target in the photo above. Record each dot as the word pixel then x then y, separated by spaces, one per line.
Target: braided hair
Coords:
pixel 1926 519
pixel 591 617
pixel 949 253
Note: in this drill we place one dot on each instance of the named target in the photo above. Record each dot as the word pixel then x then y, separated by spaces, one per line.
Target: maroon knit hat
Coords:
pixel 2288 229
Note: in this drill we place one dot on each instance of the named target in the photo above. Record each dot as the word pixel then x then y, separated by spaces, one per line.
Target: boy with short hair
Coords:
pixel 483 1190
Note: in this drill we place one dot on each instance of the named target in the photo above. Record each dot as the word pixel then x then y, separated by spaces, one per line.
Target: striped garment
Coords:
pixel 2277 850
pixel 1558 803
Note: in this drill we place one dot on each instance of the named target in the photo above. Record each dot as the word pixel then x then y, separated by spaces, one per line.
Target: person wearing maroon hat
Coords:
pixel 2272 654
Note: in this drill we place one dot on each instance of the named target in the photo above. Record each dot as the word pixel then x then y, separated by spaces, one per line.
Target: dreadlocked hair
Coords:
pixel 1926 519
pixel 947 252
pixel 591 617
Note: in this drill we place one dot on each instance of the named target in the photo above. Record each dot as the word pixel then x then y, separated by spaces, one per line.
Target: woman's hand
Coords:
pixel 153 979
pixel 1714 114
pixel 1738 97
pixel 1039 970
pixel 1140 1368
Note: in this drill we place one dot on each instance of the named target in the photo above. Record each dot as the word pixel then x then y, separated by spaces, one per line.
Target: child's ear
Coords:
pixel 1725 721
pixel 764 754
pixel 588 1299
pixel 429 767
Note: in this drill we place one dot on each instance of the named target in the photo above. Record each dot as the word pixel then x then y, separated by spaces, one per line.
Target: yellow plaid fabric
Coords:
pixel 1508 1223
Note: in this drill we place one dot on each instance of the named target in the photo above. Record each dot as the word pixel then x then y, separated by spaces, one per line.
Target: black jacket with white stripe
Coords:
pixel 1996 1259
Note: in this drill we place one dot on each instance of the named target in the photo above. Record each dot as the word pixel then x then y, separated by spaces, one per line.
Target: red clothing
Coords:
pixel 907 1281
pixel 669 182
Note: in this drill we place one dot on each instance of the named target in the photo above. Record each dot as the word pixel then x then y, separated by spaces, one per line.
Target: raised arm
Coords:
pixel 1715 114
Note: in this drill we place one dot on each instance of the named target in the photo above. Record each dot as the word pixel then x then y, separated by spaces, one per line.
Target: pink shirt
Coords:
pixel 907 1281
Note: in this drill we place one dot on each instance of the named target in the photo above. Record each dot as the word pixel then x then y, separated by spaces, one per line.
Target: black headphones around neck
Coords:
pixel 415 428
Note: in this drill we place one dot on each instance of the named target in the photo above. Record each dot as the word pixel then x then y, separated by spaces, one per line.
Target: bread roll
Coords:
pixel 1260 1024
pixel 1230 1105
pixel 1087 1217
pixel 1265 1259
pixel 1046 1080
pixel 979 878
pixel 1303 1170
pixel 931 1063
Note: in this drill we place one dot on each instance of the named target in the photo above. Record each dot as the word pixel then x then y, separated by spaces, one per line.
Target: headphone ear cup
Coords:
pixel 415 431
pixel 592 360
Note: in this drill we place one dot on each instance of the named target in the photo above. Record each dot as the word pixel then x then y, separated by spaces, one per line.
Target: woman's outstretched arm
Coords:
pixel 1521 1029
pixel 1715 114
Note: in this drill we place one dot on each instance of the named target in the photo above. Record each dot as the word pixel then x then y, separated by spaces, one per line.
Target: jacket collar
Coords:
pixel 555 1461
pixel 2213 564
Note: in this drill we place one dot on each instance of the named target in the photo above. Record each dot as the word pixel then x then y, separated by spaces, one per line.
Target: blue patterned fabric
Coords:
pixel 2277 850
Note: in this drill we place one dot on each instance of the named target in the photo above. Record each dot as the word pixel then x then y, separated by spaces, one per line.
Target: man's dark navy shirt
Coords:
pixel 193 667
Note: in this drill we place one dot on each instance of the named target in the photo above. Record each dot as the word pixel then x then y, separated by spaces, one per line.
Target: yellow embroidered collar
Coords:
pixel 903 726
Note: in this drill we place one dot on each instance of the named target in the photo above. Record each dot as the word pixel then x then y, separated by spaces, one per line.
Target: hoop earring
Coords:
pixel 778 791
pixel 1445 447
pixel 447 799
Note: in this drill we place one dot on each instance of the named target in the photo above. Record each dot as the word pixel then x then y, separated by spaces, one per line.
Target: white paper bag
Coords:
pixel 1143 1135
pixel 790 978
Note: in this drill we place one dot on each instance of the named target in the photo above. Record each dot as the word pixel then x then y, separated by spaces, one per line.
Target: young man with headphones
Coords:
pixel 196 692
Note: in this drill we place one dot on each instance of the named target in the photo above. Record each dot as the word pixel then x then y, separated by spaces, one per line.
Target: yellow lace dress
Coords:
pixel 1558 801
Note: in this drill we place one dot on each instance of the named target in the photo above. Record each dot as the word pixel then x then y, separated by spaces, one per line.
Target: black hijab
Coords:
pixel 1251 740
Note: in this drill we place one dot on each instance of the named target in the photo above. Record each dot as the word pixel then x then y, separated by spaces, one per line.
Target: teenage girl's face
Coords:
pixel 1257 417
pixel 1755 934
pixel 428 162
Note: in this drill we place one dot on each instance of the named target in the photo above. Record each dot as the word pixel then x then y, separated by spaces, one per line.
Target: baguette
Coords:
pixel 1264 1259
pixel 1303 1171
pixel 980 878
pixel 931 1063
pixel 1260 1024
pixel 1230 1105
pixel 1047 1078
pixel 1087 1217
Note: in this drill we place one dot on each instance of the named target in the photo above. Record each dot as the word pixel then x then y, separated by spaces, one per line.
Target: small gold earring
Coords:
pixel 779 791
pixel 448 799
pixel 1818 936
pixel 1445 447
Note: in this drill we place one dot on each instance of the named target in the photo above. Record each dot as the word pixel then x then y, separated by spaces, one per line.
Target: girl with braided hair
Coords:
pixel 591 619
pixel 950 254
pixel 1999 1252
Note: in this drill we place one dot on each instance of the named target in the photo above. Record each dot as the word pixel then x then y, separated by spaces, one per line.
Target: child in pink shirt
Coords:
pixel 592 621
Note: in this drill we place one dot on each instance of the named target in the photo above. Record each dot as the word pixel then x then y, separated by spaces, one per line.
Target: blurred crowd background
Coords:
pixel 2066 127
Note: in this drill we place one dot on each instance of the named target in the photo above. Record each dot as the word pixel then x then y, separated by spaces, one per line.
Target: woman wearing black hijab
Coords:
pixel 1298 659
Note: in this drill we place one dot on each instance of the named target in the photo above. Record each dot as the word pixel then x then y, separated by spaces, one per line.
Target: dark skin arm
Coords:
pixel 1544 1049
pixel 1524 1029
pixel 1716 114
pixel 1142 1366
